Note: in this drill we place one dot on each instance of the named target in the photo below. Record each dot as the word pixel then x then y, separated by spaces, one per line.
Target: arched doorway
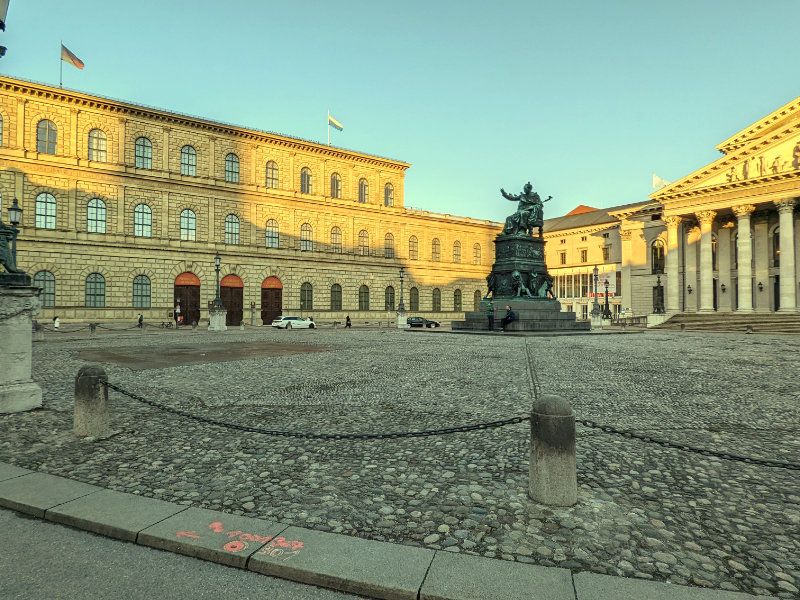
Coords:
pixel 187 295
pixel 231 291
pixel 271 299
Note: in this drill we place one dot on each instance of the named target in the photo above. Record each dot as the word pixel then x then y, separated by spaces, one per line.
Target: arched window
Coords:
pixel 363 298
pixel 436 250
pixel 363 242
pixel 413 248
pixel 141 291
pixel 476 300
pixel 232 229
pixel 46 211
pixel 95 291
pixel 188 225
pixel 456 251
pixel 657 257
pixel 437 300
pixel 336 240
pixel 97 145
pixel 46 135
pixel 363 190
pixel 388 245
pixel 271 234
pixel 272 174
pixel 336 297
pixel 143 152
pixel 413 299
pixel 306 237
pixel 142 221
pixel 336 186
pixel 306 296
pixel 389 297
pixel 305 181
pixel 47 281
pixel 96 216
pixel 388 195
pixel 231 168
pixel 188 161
pixel 476 254
pixel 776 247
pixel 457 300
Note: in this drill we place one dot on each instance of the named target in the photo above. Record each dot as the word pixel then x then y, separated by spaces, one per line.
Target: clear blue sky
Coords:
pixel 586 99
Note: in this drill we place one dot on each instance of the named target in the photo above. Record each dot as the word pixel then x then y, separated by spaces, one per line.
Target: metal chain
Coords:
pixel 764 462
pixel 321 436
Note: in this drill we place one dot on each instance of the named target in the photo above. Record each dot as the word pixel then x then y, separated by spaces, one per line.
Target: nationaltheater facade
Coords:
pixel 125 208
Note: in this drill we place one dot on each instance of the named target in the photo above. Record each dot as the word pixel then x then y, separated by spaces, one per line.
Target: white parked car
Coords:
pixel 284 322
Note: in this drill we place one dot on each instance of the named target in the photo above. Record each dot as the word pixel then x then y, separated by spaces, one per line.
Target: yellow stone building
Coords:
pixel 125 207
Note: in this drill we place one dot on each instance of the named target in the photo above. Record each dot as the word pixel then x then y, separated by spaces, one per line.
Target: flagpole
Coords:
pixel 60 67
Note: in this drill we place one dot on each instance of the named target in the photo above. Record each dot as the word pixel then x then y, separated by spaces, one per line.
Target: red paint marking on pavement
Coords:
pixel 216 527
pixel 235 546
pixel 187 534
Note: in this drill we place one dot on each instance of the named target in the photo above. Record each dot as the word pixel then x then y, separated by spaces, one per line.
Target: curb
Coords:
pixel 370 568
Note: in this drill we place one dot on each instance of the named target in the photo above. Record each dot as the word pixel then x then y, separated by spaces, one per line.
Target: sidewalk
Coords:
pixel 370 568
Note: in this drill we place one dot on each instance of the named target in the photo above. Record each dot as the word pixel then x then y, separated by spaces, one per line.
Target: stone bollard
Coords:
pixel 92 414
pixel 553 478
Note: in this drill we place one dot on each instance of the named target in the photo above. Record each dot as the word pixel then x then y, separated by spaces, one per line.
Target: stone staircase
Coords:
pixel 734 322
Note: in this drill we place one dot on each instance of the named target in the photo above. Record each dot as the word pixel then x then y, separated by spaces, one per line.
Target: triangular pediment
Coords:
pixel 779 119
pixel 770 155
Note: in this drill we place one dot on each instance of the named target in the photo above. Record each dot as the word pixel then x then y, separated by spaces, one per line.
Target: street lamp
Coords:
pixel 401 308
pixel 596 305
pixel 606 309
pixel 217 263
pixel 15 218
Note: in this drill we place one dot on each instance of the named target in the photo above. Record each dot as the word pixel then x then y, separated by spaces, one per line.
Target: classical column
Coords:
pixel 706 219
pixel 673 265
pixel 788 281
pixel 744 254
pixel 626 251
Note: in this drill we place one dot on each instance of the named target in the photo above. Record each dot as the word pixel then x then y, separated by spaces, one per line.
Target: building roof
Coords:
pixel 584 218
pixel 201 121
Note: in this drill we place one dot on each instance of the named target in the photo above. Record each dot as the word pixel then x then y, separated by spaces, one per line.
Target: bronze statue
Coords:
pixel 529 213
pixel 519 286
pixel 491 282
pixel 7 259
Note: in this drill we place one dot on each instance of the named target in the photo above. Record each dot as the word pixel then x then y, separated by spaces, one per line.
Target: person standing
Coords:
pixel 140 321
pixel 347 323
pixel 177 314
pixel 56 322
pixel 490 314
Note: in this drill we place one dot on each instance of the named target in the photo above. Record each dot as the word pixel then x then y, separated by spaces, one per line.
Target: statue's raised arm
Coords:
pixel 548 198
pixel 507 196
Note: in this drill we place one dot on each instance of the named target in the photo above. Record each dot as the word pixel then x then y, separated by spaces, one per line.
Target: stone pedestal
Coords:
pixel 402 321
pixel 597 321
pixel 18 305
pixel 217 318
pixel 533 314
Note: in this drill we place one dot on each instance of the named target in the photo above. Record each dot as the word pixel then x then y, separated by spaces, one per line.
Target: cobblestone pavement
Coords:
pixel 644 510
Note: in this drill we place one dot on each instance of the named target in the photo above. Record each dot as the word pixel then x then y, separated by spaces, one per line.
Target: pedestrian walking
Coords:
pixel 140 321
pixel 347 322
pixel 56 322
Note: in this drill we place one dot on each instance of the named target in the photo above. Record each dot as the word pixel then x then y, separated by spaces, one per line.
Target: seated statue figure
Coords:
pixel 529 213
pixel 7 259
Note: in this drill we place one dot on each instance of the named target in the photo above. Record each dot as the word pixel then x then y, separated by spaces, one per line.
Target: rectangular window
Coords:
pixel 563 258
pixel 584 255
pixel 606 253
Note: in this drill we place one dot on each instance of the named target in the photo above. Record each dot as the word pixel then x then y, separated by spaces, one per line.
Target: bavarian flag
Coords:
pixel 69 57
pixel 334 123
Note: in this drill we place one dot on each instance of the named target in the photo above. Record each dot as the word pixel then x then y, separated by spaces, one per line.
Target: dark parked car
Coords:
pixel 421 322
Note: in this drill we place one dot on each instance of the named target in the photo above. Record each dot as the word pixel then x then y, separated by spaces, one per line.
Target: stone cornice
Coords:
pixel 581 230
pixel 74 99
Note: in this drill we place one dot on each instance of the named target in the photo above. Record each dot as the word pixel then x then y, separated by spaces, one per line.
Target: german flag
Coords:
pixel 68 56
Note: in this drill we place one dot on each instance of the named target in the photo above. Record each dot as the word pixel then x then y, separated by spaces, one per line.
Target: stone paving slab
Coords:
pixel 591 586
pixel 348 564
pixel 211 535
pixel 10 471
pixel 35 493
pixel 464 577
pixel 114 514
